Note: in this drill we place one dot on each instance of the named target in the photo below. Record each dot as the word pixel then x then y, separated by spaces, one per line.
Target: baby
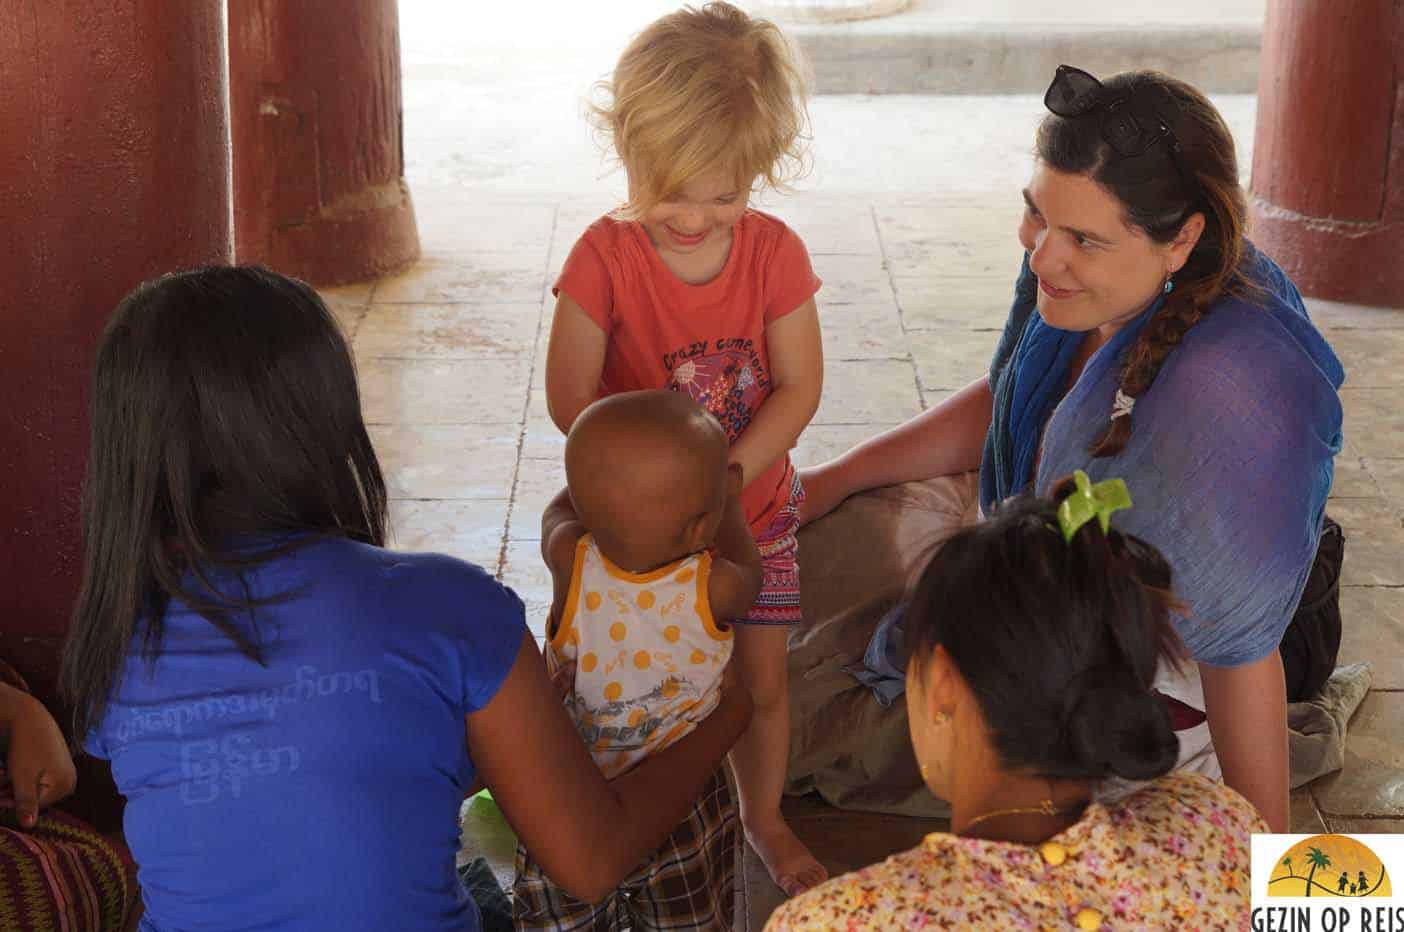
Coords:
pixel 638 635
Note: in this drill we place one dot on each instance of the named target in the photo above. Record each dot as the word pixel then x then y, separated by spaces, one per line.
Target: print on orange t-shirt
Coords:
pixel 707 340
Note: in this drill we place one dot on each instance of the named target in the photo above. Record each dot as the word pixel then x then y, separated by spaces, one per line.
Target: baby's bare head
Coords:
pixel 648 475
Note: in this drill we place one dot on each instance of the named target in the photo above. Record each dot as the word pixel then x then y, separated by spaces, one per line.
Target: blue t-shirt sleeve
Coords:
pixel 94 746
pixel 474 626
pixel 1234 496
pixel 491 643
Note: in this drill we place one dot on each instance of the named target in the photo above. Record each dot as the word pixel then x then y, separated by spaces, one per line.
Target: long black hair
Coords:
pixel 224 410
pixel 1058 642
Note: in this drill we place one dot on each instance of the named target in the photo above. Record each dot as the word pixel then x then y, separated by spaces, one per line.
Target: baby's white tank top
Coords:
pixel 648 654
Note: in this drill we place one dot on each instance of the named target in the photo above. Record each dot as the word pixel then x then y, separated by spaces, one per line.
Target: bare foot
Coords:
pixel 791 866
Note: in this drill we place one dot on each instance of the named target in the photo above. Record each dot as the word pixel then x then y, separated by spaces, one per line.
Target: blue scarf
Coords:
pixel 1027 376
pixel 1258 443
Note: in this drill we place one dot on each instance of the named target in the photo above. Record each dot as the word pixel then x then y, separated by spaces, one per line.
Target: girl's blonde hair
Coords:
pixel 701 89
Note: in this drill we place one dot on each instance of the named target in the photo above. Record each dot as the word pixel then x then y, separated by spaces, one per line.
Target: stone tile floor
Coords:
pixel 451 354
pixel 909 212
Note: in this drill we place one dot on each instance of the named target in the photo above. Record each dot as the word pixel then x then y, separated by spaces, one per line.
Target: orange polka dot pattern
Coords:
pixel 647 661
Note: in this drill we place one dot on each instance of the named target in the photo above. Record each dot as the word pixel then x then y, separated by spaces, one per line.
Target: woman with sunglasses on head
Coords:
pixel 293 712
pixel 1150 338
pixel 1015 720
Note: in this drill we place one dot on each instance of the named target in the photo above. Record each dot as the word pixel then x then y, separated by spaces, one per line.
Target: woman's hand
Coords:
pixel 942 441
pixel 825 489
pixel 39 767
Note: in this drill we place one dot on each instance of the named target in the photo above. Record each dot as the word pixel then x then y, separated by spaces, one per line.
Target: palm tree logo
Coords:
pixel 1329 854
pixel 1317 858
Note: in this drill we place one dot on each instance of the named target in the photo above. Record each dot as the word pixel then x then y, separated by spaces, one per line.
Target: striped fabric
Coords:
pixel 779 599
pixel 686 884
pixel 62 876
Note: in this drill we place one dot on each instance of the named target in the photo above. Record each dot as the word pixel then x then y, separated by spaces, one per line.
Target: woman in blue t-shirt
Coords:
pixel 1149 339
pixel 294 713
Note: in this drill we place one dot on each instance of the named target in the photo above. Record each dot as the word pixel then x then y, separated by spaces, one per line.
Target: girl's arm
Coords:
pixel 947 439
pixel 1247 711
pixel 586 833
pixel 736 577
pixel 796 352
pixel 574 361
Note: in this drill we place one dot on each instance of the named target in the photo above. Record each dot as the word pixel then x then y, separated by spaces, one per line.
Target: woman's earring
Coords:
pixel 940 718
pixel 1169 284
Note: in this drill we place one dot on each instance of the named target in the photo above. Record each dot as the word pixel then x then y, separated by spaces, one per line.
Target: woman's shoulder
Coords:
pixel 1183 801
pixel 408 580
pixel 1260 332
pixel 432 605
pixel 423 576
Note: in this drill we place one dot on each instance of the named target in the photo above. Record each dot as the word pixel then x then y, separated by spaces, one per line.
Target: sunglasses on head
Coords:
pixel 1130 126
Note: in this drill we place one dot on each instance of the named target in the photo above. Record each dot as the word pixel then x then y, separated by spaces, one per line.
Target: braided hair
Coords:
pixel 1159 199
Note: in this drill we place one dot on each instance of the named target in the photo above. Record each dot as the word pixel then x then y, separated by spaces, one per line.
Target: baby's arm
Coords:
pixel 574 361
pixel 797 378
pixel 561 530
pixel 736 563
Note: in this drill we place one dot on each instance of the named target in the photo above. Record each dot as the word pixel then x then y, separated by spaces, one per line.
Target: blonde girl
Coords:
pixel 687 288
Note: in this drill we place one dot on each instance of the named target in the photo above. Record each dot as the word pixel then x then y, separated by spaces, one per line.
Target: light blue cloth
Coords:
pixel 1229 464
pixel 884 666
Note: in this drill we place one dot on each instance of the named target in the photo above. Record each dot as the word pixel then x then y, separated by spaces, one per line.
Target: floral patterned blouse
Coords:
pixel 1173 855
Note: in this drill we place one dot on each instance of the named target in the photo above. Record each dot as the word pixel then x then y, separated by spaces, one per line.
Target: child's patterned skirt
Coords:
pixel 779 599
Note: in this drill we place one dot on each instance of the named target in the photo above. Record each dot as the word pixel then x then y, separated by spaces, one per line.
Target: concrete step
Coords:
pixel 1013 46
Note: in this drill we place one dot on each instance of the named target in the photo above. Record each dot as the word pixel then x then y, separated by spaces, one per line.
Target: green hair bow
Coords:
pixel 1090 501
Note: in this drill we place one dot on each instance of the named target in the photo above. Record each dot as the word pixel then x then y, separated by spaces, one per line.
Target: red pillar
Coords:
pixel 114 168
pixel 1328 161
pixel 316 114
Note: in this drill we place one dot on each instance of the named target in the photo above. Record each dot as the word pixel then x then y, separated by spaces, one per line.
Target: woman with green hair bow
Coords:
pixel 1034 641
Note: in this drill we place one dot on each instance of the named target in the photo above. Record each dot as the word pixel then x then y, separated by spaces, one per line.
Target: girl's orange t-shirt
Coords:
pixel 706 340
